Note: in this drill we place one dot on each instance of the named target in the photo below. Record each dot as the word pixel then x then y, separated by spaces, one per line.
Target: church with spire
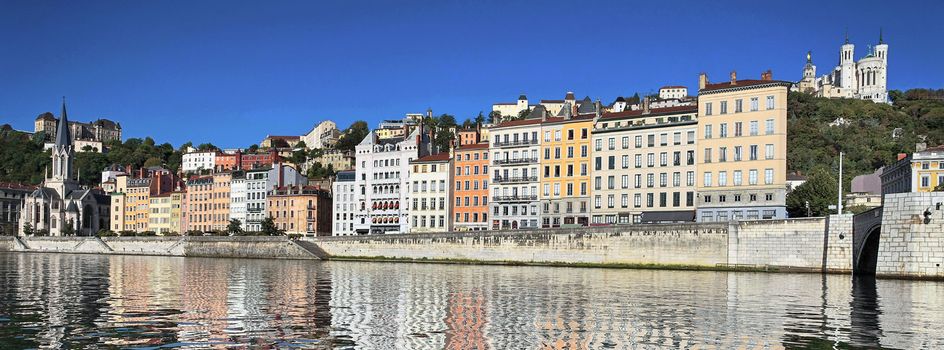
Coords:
pixel 60 206
pixel 864 79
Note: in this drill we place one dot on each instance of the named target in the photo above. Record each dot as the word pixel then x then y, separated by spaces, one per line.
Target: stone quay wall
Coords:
pixel 801 244
pixel 912 244
pixel 671 244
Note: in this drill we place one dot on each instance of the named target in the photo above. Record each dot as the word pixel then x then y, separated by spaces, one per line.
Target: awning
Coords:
pixel 650 217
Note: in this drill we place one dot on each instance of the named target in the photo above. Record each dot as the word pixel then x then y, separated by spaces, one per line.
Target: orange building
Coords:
pixel 199 203
pixel 302 210
pixel 471 184
pixel 221 200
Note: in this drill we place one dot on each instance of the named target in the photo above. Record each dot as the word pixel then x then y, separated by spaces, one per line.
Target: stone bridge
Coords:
pixel 866 235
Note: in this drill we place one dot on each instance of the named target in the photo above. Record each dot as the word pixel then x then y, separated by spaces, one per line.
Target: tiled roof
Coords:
pixel 742 83
pixel 438 157
pixel 552 101
pixel 519 122
pixel 474 146
pixel 655 111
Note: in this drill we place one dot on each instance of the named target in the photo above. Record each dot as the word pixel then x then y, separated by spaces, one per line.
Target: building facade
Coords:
pixel 322 136
pixel 259 182
pixel 565 169
pixel 100 131
pixel 742 141
pixel 431 194
pixel 304 210
pixel 11 203
pixel 195 161
pixel 644 166
pixel 515 149
pixel 345 203
pixel 470 185
pixel 865 78
pixel 199 203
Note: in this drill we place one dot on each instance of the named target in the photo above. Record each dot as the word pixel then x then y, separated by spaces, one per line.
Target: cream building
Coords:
pixel 644 169
pixel 130 203
pixel 742 149
pixel 566 166
pixel 322 136
pixel 553 107
pixel 345 203
pixel 431 194
pixel 863 79
pixel 159 219
pixel 673 92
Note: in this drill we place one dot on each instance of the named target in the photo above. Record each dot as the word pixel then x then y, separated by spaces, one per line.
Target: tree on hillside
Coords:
pixel 479 119
pixel 494 117
pixel 819 190
pixel 352 136
pixel 28 229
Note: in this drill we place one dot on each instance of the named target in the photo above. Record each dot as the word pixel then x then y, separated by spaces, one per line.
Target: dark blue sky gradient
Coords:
pixel 229 72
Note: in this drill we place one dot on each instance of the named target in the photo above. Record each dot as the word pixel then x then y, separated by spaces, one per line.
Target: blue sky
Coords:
pixel 230 72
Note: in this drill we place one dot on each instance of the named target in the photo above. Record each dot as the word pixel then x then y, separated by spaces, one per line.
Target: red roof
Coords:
pixel 519 122
pixel 741 83
pixel 473 146
pixel 438 157
pixel 576 118
pixel 655 111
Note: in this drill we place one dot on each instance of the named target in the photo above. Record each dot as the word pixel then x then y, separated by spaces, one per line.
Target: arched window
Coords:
pixel 52 223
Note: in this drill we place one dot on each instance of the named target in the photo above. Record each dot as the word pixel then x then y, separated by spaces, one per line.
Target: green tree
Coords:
pixel 819 190
pixel 269 228
pixel 28 229
pixel 494 117
pixel 68 229
pixel 253 148
pixel 352 136
pixel 479 119
pixel 235 227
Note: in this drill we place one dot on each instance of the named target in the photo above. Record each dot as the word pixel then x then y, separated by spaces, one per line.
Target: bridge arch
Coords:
pixel 866 240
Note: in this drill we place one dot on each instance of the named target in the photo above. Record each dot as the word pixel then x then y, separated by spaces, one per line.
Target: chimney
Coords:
pixel 645 105
pixel 767 76
pixel 702 80
pixel 599 108
pixel 734 77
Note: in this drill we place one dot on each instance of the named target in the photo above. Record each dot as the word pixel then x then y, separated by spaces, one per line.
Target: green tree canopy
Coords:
pixel 352 136
pixel 235 227
pixel 820 191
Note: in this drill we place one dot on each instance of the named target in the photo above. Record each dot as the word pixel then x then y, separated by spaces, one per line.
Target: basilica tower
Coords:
pixel 63 154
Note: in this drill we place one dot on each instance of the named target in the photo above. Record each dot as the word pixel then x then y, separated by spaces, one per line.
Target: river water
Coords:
pixel 89 301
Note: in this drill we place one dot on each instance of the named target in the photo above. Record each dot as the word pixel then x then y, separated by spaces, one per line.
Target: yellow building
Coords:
pixel 160 213
pixel 565 165
pixel 220 201
pixel 130 203
pixel 177 212
pixel 927 169
pixel 742 149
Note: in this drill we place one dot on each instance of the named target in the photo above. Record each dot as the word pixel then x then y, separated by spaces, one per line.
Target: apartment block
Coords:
pixel 430 193
pixel 304 210
pixel 470 185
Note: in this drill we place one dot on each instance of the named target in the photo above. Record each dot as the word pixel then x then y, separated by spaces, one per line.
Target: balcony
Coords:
pixel 515 198
pixel 513 179
pixel 516 161
pixel 518 143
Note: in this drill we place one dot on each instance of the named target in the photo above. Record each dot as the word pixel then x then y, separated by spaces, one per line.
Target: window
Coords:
pixel 708 131
pixel 625 181
pixel 624 200
pixel 651 159
pixel 769 126
pixel 584 134
pixel 768 176
pixel 677 138
pixel 707 158
pixel 752 177
pixel 570 152
pixel 738 106
pixel 611 182
pixel 770 102
pixel 570 134
pixel 663 139
pixel 738 129
pixel 707 182
pixel 723 132
pixel 583 150
pixel 691 157
pixel 650 180
pixel 639 161
pixel 676 179
pixel 722 178
pixel 556 189
pixel 609 201
pixel 753 151
pixel 625 142
pixel 769 151
pixel 597 183
pixel 557 135
pixel 598 164
pixel 737 178
pixel 691 137
pixel 597 201
pixel 649 200
pixel 637 200
pixel 663 179
pixel 611 161
pixel 753 127
pixel 611 143
pixel 754 104
pixel 663 159
pixel 651 140
pixel 724 107
pixel 639 141
pixel 637 180
pixel 677 158
pixel 626 161
pixel 708 108
pixel 690 178
pixel 583 169
pixel 722 154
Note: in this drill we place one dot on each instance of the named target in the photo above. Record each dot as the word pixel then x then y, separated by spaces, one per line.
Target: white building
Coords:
pixel 194 161
pixel 381 184
pixel 431 192
pixel 324 135
pixel 673 92
pixel 863 79
pixel 345 203
pixel 258 183
pixel 515 147
pixel 238 197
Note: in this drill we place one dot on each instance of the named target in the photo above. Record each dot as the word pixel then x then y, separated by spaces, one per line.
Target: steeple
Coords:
pixel 880 41
pixel 847 35
pixel 62 129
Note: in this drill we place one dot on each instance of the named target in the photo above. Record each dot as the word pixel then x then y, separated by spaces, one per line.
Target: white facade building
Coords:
pixel 345 203
pixel 431 192
pixel 237 199
pixel 673 92
pixel 324 135
pixel 863 79
pixel 515 149
pixel 381 183
pixel 195 161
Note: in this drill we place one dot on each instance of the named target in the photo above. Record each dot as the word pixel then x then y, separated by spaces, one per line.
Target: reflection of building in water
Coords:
pixel 421 309
pixel 465 321
pixel 203 292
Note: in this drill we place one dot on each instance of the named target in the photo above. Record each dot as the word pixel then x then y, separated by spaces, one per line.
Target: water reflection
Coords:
pixel 81 301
